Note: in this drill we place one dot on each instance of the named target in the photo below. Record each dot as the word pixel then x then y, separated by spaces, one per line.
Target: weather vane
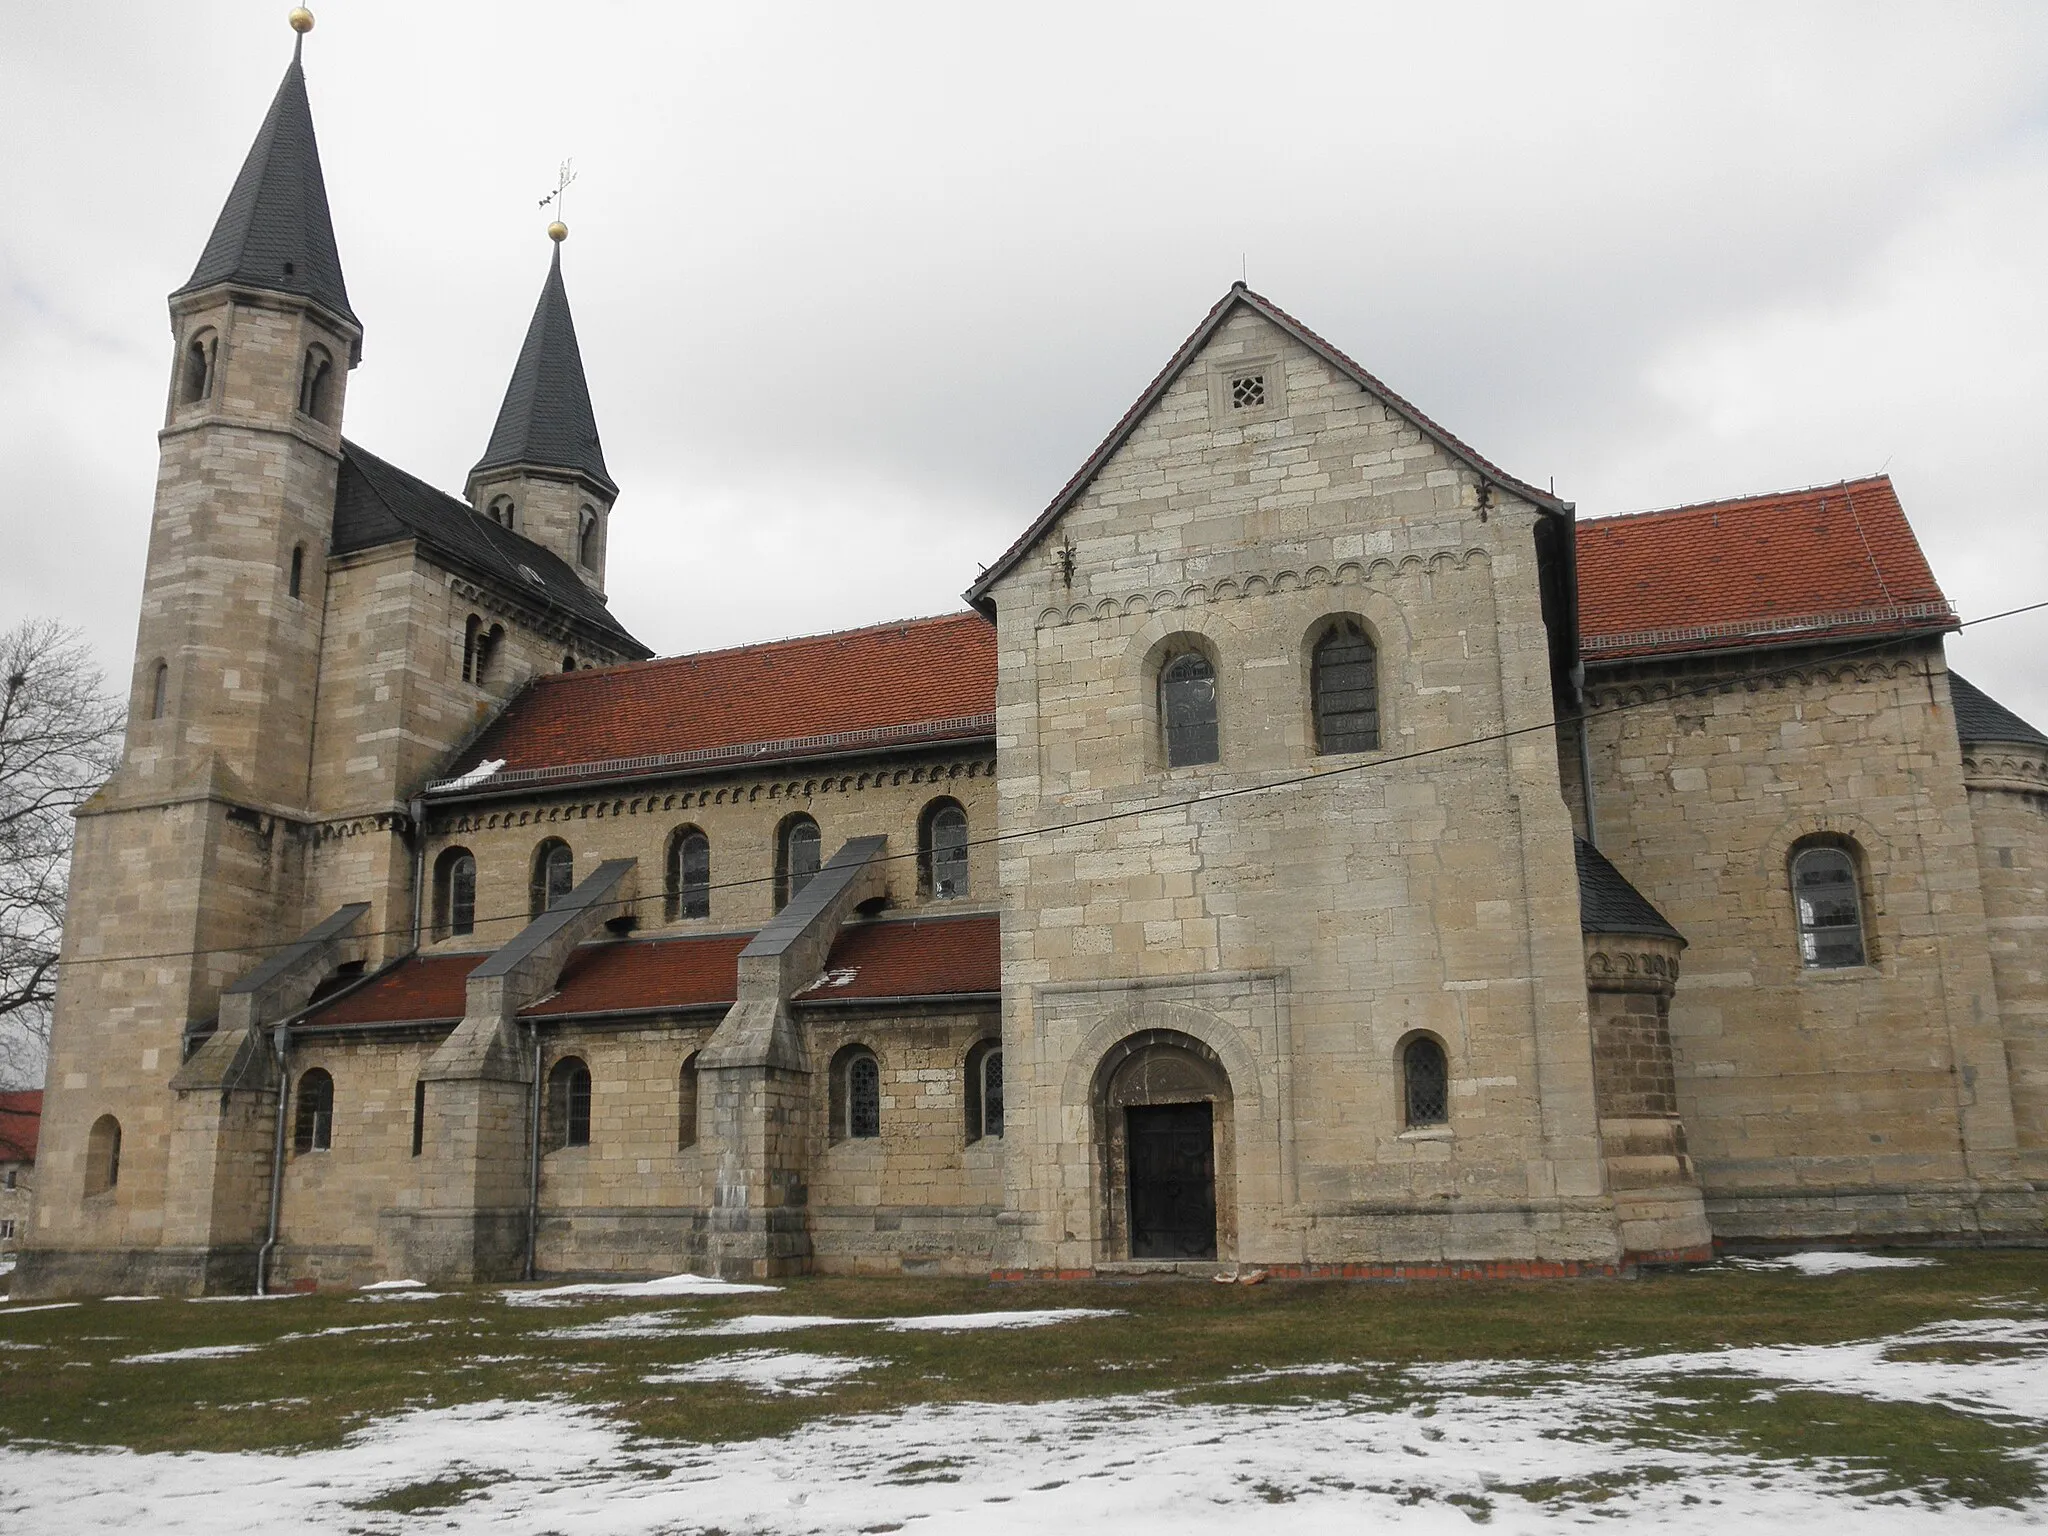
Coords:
pixel 559 197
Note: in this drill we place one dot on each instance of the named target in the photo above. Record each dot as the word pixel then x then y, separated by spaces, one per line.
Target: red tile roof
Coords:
pixel 1834 560
pixel 911 680
pixel 919 957
pixel 21 1119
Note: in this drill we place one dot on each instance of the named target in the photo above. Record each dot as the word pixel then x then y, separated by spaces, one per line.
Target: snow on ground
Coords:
pixel 41 1306
pixel 394 1285
pixel 1425 1450
pixel 196 1352
pixel 1833 1263
pixel 632 1325
pixel 767 1370
pixel 755 1323
pixel 671 1285
pixel 960 1322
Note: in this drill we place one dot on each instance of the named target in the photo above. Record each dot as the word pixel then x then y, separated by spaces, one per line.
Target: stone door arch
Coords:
pixel 1154 1096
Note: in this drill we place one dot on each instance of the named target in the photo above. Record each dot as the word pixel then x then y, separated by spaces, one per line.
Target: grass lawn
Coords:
pixel 300 1373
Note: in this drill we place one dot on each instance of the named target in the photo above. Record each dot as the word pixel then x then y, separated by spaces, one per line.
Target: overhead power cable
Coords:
pixel 1375 764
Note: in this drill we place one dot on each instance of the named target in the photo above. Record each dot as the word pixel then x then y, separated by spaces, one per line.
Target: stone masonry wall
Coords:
pixel 1305 934
pixel 1857 1102
pixel 2009 810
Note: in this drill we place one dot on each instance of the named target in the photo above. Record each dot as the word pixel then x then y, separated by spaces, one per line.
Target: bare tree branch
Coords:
pixel 60 736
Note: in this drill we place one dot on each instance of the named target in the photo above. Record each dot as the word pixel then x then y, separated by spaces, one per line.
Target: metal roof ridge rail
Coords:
pixel 739 752
pixel 1769 626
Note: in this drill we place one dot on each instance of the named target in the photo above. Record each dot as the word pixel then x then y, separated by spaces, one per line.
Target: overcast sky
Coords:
pixel 859 286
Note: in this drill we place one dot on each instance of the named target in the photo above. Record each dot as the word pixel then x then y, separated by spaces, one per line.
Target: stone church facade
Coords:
pixel 1312 848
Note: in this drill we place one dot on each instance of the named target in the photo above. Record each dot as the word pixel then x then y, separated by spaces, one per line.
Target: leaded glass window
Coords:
pixel 689 875
pixel 1344 680
pixel 863 1096
pixel 945 852
pixel 1187 709
pixel 1830 912
pixel 1426 1082
pixel 796 858
pixel 554 876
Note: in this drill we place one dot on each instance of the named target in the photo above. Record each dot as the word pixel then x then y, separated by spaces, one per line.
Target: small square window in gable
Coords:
pixel 1246 389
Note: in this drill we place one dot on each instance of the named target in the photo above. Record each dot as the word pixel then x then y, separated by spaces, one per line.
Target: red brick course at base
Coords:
pixel 1517 1269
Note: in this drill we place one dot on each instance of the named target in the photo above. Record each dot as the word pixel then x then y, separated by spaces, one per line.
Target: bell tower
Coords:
pixel 188 865
pixel 543 473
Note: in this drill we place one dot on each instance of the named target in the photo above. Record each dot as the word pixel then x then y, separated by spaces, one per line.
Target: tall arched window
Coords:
pixel 298 575
pixel 454 894
pixel 1425 1084
pixel 500 511
pixel 1344 683
pixel 1829 907
pixel 686 1103
pixel 472 633
pixel 1187 709
pixel 159 689
pixel 797 844
pixel 856 1096
pixel 586 539
pixel 103 1155
pixel 942 851
pixel 985 1090
pixel 553 877
pixel 195 382
pixel 689 874
pixel 313 1124
pixel 569 1103
pixel 315 383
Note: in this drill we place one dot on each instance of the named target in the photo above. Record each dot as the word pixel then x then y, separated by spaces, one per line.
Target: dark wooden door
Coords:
pixel 1173 1181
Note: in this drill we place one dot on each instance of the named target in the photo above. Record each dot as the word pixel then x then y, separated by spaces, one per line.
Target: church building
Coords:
pixel 1311 848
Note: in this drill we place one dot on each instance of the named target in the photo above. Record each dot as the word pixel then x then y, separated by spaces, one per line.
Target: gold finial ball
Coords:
pixel 302 20
pixel 558 231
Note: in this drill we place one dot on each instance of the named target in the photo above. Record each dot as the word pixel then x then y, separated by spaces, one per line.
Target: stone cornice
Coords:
pixel 2019 767
pixel 1631 962
pixel 1336 573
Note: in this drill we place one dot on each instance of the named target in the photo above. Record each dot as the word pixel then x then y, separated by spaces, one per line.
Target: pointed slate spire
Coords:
pixel 274 231
pixel 546 420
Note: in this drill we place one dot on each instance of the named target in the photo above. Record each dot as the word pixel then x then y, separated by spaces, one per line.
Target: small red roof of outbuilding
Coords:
pixel 1833 560
pixel 21 1120
pixel 911 680
pixel 909 958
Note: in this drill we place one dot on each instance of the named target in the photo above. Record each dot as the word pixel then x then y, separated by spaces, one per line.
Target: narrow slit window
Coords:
pixel 419 1117
pixel 686 1103
pixel 298 575
pixel 159 688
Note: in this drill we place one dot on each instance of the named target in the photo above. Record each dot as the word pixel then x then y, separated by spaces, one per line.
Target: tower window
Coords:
pixel 1187 709
pixel 455 894
pixel 1425 1083
pixel 554 876
pixel 569 1103
pixel 500 511
pixel 586 539
pixel 568 663
pixel 315 383
pixel 195 381
pixel 103 1155
pixel 313 1128
pixel 298 569
pixel 689 874
pixel 796 858
pixel 159 689
pixel 942 851
pixel 1344 683
pixel 1829 907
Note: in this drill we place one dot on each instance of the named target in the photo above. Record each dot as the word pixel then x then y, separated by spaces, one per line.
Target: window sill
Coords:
pixel 1429 1133
pixel 1827 975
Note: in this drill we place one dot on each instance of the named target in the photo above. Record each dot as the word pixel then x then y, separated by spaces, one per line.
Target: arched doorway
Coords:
pixel 1165 1138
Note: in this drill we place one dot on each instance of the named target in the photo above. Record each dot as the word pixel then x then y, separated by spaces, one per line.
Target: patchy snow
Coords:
pixel 394 1285
pixel 270 1296
pixel 1527 1447
pixel 669 1285
pixel 960 1322
pixel 1834 1263
pixel 767 1370
pixel 402 1295
pixel 631 1325
pixel 769 1322
pixel 196 1352
pixel 131 1298
pixel 41 1306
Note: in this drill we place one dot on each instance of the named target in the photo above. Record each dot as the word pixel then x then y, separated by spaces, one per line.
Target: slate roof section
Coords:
pixel 912 681
pixel 1609 904
pixel 916 958
pixel 1979 717
pixel 1188 350
pixel 274 231
pixel 546 419
pixel 21 1120
pixel 1832 561
pixel 377 503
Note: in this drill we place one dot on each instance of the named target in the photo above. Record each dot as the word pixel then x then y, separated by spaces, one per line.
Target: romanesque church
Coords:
pixel 1311 847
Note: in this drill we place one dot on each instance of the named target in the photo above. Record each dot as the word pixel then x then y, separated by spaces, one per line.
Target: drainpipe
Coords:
pixel 416 808
pixel 1585 753
pixel 533 1155
pixel 280 1044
